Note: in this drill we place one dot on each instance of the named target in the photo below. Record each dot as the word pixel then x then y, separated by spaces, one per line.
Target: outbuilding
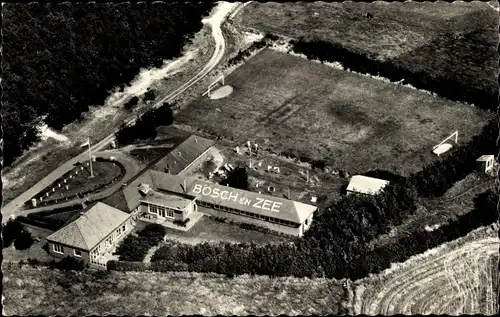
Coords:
pixel 485 163
pixel 365 185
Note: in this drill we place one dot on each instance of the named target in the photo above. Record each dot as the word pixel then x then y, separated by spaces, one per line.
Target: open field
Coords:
pixel 42 291
pixel 452 40
pixel 209 230
pixel 460 277
pixel 288 104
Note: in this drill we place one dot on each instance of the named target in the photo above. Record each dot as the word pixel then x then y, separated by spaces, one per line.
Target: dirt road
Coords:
pixel 220 13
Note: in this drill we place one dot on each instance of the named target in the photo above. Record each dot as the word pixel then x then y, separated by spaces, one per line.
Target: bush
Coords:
pixel 10 232
pixel 131 103
pixel 181 223
pixel 70 264
pixel 169 266
pixel 23 241
pixel 124 266
pixel 149 95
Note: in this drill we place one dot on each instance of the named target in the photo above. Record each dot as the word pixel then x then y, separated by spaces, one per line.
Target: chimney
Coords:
pixel 289 196
pixel 195 140
pixel 183 185
pixel 307 179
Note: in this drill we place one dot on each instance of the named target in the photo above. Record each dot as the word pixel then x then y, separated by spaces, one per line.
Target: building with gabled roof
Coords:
pixel 184 155
pixel 96 231
pixel 175 198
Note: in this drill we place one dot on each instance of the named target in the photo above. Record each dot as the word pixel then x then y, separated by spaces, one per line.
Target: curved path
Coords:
pixel 454 282
pixel 215 21
pixel 131 169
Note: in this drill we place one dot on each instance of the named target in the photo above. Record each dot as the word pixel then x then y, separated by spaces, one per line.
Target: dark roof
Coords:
pixel 183 155
pixel 91 228
pixel 260 204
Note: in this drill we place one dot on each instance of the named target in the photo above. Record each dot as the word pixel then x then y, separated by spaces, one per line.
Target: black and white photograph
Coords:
pixel 164 158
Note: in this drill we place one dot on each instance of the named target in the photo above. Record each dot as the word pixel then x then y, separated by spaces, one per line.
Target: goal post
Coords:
pixel 453 135
pixel 214 84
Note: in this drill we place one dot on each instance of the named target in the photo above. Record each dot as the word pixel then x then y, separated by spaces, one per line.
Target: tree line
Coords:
pixel 60 58
pixel 446 87
pixel 327 252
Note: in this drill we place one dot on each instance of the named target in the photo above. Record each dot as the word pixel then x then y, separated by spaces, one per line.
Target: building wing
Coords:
pixel 183 155
pixel 91 228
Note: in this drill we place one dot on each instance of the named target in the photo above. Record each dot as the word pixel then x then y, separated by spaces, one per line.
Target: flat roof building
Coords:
pixel 366 185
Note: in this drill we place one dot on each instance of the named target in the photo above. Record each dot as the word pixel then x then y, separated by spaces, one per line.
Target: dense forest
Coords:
pixel 58 59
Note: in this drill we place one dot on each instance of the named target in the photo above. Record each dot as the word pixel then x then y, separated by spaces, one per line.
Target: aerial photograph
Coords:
pixel 250 158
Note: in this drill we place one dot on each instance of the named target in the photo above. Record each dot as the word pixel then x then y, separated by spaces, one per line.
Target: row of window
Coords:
pixel 247 214
pixel 59 249
pixel 161 211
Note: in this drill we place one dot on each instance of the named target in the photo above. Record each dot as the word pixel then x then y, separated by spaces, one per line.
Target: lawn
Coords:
pixel 36 251
pixel 78 180
pixel 209 230
pixel 456 40
pixel 355 123
pixel 47 292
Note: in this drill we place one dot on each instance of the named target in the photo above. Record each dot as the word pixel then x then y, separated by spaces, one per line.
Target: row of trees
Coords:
pixel 443 86
pixel 336 253
pixel 437 177
pixel 60 58
pixel 145 126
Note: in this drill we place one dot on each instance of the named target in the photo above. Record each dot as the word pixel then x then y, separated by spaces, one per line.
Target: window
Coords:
pixel 58 249
pixel 77 253
pixel 170 213
pixel 307 222
pixel 153 209
pixel 123 228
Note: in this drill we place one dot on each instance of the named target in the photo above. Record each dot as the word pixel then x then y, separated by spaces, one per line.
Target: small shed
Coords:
pixel 365 185
pixel 485 163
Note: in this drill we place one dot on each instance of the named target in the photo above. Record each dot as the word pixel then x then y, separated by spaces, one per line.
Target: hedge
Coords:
pixel 362 63
pixel 134 248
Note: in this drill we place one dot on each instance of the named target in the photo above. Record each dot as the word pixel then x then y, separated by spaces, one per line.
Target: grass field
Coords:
pixel 456 40
pixel 460 277
pixel 289 104
pixel 209 230
pixel 39 291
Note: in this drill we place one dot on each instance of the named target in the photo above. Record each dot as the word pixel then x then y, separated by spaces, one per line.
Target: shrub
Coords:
pixel 169 266
pixel 23 241
pixel 123 266
pixel 149 95
pixel 10 231
pixel 131 103
pixel 70 264
pixel 181 223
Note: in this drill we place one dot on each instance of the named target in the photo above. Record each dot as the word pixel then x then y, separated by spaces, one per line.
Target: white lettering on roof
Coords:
pixel 260 203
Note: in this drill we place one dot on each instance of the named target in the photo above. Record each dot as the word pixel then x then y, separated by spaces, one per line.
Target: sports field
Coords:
pixel 452 40
pixel 40 291
pixel 356 123
pixel 457 278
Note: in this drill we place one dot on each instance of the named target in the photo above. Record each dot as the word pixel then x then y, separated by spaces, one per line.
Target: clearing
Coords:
pixel 456 278
pixel 452 40
pixel 42 291
pixel 294 106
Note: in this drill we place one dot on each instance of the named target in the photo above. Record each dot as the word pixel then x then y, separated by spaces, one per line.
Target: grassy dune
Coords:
pixel 48 292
